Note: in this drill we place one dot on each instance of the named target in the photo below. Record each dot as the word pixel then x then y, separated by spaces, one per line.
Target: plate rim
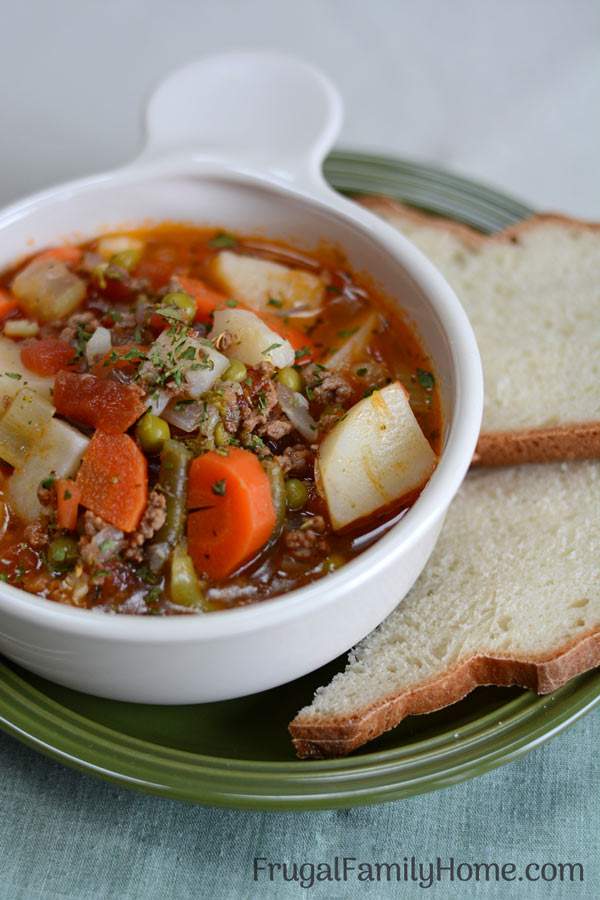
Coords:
pixel 448 757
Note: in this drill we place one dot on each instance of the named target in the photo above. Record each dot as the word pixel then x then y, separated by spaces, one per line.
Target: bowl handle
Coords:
pixel 264 113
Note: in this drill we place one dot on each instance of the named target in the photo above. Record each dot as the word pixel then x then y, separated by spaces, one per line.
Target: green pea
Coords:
pixel 235 371
pixel 291 378
pixel 127 259
pixel 152 432
pixel 63 553
pixel 182 302
pixel 221 436
pixel 296 493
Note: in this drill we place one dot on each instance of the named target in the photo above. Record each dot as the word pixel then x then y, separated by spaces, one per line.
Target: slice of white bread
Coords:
pixel 510 596
pixel 532 294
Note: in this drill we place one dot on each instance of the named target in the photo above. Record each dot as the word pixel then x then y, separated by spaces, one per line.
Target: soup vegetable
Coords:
pixel 192 420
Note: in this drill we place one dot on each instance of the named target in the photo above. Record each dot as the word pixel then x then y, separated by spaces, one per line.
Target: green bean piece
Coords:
pixel 278 493
pixel 152 432
pixel 296 493
pixel 63 553
pixel 185 588
pixel 235 371
pixel 173 477
pixel 183 306
pixel 221 436
pixel 291 378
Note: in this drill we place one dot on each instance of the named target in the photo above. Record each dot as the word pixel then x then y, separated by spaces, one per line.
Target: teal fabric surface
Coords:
pixel 66 835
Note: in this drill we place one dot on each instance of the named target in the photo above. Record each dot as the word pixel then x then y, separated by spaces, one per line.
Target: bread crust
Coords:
pixel 579 440
pixel 538 445
pixel 338 736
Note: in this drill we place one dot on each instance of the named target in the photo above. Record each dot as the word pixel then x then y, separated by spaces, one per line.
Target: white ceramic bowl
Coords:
pixel 237 141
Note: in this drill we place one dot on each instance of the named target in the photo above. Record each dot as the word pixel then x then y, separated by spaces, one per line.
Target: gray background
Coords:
pixel 508 91
pixel 505 92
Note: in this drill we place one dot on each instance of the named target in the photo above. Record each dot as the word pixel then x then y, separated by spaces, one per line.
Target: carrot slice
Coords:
pixel 98 402
pixel 207 300
pixel 303 346
pixel 47 356
pixel 68 496
pixel 113 480
pixel 8 304
pixel 67 254
pixel 231 511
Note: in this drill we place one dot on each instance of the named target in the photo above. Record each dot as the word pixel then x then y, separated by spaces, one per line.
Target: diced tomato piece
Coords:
pixel 100 403
pixel 47 356
pixel 158 272
pixel 126 358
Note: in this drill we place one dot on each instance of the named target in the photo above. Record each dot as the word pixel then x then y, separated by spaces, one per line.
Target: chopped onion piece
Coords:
pixel 21 328
pixel 181 358
pixel 158 401
pixel 98 345
pixel 295 406
pixel 184 414
pixel 355 346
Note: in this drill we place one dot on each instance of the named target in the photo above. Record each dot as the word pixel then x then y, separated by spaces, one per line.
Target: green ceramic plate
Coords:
pixel 238 753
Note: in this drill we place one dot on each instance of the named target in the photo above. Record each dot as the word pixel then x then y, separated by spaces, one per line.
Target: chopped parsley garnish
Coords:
pixel 67 495
pixel 272 301
pixel 222 240
pixel 347 332
pixel 47 483
pixel 362 371
pixel 231 303
pixel 219 487
pixel 261 401
pixel 271 347
pixel 15 375
pixel 3 576
pixel 425 379
pixel 302 352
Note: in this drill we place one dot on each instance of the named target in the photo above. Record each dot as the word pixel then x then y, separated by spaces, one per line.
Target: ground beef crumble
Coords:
pixel 296 460
pixel 152 521
pixel 307 540
pixel 85 320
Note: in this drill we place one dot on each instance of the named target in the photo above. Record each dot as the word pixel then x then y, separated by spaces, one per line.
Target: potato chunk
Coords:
pixel 22 425
pixel 253 341
pixel 58 452
pixel 375 455
pixel 255 282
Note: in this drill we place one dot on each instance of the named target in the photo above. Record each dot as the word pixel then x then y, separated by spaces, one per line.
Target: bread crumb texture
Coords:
pixel 514 576
pixel 533 297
